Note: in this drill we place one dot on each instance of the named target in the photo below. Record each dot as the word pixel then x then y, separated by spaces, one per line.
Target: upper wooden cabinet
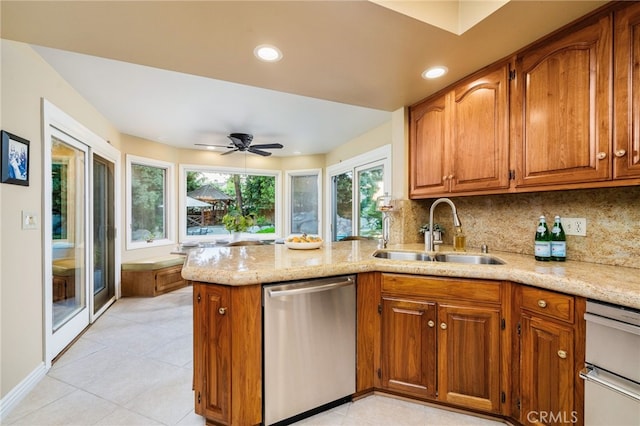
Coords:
pixel 626 141
pixel 561 109
pixel 459 141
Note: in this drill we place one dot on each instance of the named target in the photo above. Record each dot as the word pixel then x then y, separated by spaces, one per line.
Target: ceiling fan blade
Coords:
pixel 229 152
pixel 259 152
pixel 217 146
pixel 268 145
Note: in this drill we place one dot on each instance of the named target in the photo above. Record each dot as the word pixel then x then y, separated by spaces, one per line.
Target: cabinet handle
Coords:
pixel 443 326
pixel 562 354
pixel 431 323
pixel 444 178
pixel 222 311
pixel 620 153
pixel 601 155
pixel 451 177
pixel 542 303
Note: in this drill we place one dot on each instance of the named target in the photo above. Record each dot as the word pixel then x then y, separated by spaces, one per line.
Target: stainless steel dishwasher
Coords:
pixel 309 346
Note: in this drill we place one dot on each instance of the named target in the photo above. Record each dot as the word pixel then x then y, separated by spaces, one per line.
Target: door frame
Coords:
pixel 57 121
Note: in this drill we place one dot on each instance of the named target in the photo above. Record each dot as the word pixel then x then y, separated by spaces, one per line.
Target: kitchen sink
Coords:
pixel 474 259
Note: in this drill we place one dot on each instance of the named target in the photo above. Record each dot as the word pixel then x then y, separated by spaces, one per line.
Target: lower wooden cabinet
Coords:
pixel 409 347
pixel 227 353
pixel 469 356
pixel 442 339
pixel 552 340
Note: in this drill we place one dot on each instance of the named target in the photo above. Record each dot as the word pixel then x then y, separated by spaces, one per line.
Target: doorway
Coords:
pixel 79 224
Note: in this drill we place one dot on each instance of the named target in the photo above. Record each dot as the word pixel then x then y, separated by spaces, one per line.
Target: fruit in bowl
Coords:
pixel 303 242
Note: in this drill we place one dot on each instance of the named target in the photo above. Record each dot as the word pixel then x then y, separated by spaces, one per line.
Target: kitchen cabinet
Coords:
pixel 227 351
pixel 442 339
pixel 459 140
pixel 560 108
pixel 551 327
pixel 626 140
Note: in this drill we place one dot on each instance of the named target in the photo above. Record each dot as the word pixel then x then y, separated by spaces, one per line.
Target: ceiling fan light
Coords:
pixel 434 72
pixel 267 53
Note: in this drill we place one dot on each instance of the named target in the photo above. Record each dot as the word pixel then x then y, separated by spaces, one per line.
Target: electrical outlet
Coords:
pixel 575 226
pixel 29 220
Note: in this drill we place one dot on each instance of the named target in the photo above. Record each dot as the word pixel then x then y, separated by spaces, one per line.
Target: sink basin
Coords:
pixel 475 259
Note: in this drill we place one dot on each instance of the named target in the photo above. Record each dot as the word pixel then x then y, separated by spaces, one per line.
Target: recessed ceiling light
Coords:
pixel 434 72
pixel 211 148
pixel 297 152
pixel 267 53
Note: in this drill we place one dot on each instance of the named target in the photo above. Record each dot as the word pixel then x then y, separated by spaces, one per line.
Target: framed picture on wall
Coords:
pixel 14 167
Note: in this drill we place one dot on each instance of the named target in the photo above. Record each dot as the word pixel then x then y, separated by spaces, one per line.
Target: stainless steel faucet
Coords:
pixel 385 229
pixel 456 219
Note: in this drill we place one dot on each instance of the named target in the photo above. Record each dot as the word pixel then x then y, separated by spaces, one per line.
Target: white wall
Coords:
pixel 25 80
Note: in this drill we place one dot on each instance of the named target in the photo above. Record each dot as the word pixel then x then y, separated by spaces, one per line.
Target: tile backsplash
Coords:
pixel 507 222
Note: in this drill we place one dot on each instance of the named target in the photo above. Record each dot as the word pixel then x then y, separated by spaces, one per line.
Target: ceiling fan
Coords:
pixel 242 142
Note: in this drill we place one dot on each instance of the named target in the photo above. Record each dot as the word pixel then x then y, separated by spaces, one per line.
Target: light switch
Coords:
pixel 29 220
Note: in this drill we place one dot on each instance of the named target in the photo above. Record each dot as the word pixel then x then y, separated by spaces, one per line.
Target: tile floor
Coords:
pixel 134 367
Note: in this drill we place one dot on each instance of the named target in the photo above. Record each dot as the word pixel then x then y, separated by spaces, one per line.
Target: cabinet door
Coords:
pixel 212 351
pixel 546 372
pixel 480 133
pixel 626 143
pixel 409 347
pixel 469 356
pixel 561 109
pixel 428 138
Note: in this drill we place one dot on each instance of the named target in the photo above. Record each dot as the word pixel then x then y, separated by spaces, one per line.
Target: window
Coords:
pixel 149 201
pixel 355 184
pixel 210 194
pixel 303 201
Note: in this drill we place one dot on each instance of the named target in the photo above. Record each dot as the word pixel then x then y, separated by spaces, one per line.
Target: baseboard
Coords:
pixel 16 394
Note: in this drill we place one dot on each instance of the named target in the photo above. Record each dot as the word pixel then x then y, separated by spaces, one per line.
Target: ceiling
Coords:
pixel 183 72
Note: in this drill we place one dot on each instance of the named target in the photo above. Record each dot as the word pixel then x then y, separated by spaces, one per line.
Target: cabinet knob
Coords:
pixel 562 354
pixel 444 178
pixel 450 177
pixel 443 326
pixel 601 155
pixel 431 323
pixel 222 311
pixel 542 303
pixel 620 153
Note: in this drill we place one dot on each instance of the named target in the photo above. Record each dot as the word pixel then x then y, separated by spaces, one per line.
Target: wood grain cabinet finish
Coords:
pixel 409 347
pixel 227 349
pixel 552 336
pixel 152 282
pixel 459 141
pixel 561 109
pixel 626 141
pixel 441 340
pixel 469 351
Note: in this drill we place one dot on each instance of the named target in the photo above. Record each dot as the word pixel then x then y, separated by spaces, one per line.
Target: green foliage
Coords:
pixel 195 180
pixel 269 230
pixel 147 198
pixel 234 221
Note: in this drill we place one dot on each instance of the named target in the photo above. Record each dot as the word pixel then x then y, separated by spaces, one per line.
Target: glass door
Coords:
pixel 342 206
pixel 103 233
pixel 370 186
pixel 69 207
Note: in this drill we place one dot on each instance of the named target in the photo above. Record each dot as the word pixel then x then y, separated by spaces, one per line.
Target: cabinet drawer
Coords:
pixel 548 303
pixel 169 278
pixel 442 288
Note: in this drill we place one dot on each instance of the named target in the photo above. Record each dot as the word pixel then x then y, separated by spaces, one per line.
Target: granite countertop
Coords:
pixel 275 263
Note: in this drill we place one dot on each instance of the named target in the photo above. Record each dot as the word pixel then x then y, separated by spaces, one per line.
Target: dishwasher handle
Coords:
pixel 311 288
pixel 590 374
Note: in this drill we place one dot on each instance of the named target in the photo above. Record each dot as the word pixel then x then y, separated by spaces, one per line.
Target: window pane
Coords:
pixel 212 195
pixel 342 205
pixel 370 187
pixel 148 218
pixel 304 204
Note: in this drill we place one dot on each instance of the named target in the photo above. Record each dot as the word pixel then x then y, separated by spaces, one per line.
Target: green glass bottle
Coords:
pixel 542 249
pixel 558 241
